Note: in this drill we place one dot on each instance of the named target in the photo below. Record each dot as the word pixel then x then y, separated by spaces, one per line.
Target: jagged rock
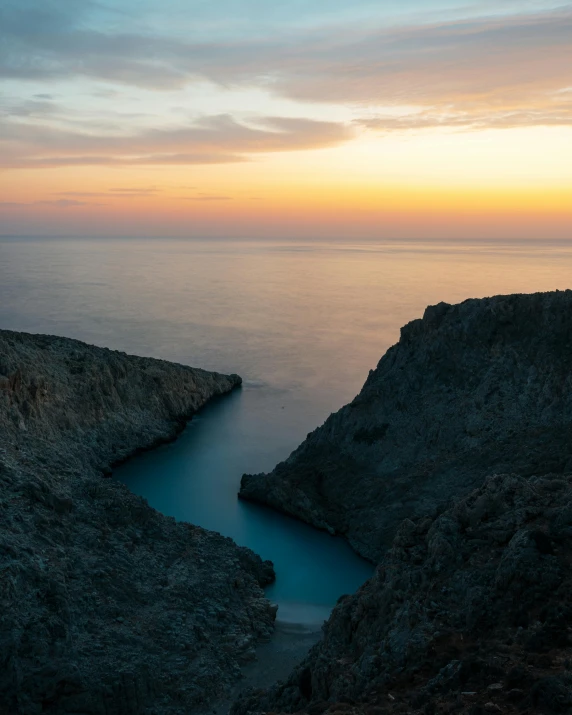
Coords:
pixel 471 389
pixel 468 612
pixel 106 606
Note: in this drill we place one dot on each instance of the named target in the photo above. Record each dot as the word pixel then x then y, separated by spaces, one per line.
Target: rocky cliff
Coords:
pixel 468 613
pixel 106 606
pixel 453 470
pixel 469 390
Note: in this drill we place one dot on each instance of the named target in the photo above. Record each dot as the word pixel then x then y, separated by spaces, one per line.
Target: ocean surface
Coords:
pixel 302 322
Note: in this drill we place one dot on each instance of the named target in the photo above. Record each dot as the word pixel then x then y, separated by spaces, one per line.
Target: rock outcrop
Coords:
pixel 472 389
pixel 435 472
pixel 106 606
pixel 468 613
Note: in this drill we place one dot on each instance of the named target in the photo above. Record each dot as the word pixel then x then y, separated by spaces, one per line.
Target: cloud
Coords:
pixel 134 191
pixel 496 71
pixel 498 60
pixel 208 197
pixel 482 73
pixel 84 194
pixel 548 115
pixel 47 39
pixel 61 203
pixel 27 108
pixel 212 140
pixel 120 193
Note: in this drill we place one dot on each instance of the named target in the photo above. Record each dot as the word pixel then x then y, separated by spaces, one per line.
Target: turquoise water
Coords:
pixel 197 477
pixel 301 322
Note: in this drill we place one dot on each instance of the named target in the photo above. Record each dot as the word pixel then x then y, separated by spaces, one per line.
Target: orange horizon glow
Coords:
pixel 453 141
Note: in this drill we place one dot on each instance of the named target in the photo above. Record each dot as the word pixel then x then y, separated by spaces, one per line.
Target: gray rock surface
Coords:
pixel 469 390
pixel 469 609
pixel 469 612
pixel 106 606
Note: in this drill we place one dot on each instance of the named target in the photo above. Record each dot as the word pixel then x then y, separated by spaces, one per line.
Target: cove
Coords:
pixel 197 477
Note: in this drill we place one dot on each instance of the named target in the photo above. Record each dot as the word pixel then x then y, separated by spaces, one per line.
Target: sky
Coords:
pixel 308 118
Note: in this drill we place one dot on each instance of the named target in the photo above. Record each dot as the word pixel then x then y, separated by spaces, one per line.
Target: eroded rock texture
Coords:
pixel 469 613
pixel 106 606
pixel 469 390
pixel 469 610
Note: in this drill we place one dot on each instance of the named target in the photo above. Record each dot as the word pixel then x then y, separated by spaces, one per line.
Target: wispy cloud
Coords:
pixel 218 139
pixel 551 114
pixel 134 191
pixel 208 197
pixel 487 73
pixel 456 73
pixel 36 107
pixel 60 204
pixel 119 193
pixel 84 194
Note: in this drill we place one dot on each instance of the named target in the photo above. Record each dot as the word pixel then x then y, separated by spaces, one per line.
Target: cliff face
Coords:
pixel 107 606
pixel 468 613
pixel 469 390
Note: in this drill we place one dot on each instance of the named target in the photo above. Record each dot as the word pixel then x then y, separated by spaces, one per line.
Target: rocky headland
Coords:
pixel 469 390
pixel 452 470
pixel 106 606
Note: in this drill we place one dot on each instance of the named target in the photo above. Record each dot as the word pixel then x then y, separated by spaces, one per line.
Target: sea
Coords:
pixel 302 322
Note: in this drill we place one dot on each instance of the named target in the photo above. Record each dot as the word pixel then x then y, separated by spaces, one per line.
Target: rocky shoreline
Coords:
pixel 452 470
pixel 469 390
pixel 468 613
pixel 107 606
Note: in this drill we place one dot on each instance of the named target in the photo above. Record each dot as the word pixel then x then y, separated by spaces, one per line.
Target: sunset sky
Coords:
pixel 251 118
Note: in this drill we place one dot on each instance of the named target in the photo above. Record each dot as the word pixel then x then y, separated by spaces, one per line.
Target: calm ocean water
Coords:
pixel 301 322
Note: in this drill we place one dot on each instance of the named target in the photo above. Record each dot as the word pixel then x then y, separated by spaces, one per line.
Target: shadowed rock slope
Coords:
pixel 472 389
pixel 106 606
pixel 469 613
pixel 469 609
